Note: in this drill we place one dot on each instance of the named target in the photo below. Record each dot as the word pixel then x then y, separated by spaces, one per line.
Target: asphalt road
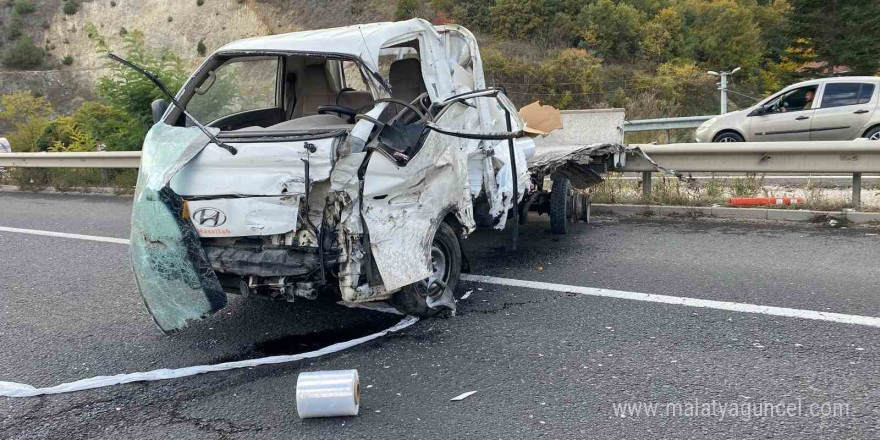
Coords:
pixel 544 364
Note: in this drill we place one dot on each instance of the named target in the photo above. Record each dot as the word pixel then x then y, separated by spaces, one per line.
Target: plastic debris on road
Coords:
pixel 12 389
pixel 462 396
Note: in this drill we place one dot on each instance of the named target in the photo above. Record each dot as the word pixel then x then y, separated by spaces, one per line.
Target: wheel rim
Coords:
pixel 727 139
pixel 439 264
pixel 875 136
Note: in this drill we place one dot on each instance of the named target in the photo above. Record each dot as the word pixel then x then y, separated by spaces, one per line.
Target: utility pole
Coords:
pixel 723 86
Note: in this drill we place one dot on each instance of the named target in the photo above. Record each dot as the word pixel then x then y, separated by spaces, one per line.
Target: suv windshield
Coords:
pixel 239 85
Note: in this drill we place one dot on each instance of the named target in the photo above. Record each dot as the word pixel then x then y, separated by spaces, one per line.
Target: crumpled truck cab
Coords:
pixel 353 162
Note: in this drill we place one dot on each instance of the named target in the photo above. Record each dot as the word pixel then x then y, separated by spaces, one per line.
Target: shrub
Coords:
pixel 200 48
pixel 23 6
pixel 406 9
pixel 63 135
pixel 23 54
pixel 67 60
pixel 13 31
pixel 200 2
pixel 568 79
pixel 110 126
pixel 28 115
pixel 132 92
pixel 70 7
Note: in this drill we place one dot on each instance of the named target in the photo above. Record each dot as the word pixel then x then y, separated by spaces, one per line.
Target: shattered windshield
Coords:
pixel 239 85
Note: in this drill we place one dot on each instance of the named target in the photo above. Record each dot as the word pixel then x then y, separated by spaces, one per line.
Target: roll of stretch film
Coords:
pixel 328 394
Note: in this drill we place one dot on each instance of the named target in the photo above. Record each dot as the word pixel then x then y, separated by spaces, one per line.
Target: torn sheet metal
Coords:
pixel 275 168
pixel 245 216
pixel 171 269
pixel 584 165
pixel 403 206
pixel 573 163
pixel 501 203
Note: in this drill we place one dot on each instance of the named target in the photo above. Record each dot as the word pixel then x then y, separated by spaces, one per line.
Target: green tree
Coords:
pixel 720 35
pixel 116 129
pixel 612 29
pixel 518 19
pixel 23 54
pixel 28 115
pixel 13 30
pixel 70 7
pixel 571 79
pixel 840 32
pixel 132 92
pixel 473 14
pixel 23 6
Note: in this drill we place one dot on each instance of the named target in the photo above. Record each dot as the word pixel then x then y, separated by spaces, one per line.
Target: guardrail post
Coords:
pixel 646 185
pixel 857 191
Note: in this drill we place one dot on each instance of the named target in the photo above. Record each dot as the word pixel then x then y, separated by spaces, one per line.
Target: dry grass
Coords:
pixel 672 191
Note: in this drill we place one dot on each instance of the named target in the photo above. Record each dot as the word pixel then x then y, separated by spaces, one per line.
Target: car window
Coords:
pixel 353 77
pixel 865 94
pixel 793 100
pixel 239 85
pixel 843 94
pixel 391 54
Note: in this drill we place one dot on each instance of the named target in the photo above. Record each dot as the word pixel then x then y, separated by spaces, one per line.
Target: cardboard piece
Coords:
pixel 540 119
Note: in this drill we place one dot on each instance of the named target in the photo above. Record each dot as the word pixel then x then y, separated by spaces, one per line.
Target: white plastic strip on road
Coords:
pixel 680 301
pixel 65 235
pixel 11 389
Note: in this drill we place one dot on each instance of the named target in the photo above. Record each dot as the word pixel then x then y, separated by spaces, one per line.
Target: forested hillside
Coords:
pixel 649 56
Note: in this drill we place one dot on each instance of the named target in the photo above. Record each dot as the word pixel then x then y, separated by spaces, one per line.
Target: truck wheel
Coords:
pixel 560 193
pixel 446 261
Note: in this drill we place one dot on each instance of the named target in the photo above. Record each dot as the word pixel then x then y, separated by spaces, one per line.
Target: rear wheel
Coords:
pixel 560 193
pixel 446 263
pixel 729 136
pixel 873 134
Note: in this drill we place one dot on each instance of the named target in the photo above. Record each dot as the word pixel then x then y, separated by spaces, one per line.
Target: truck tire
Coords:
pixel 560 193
pixel 446 259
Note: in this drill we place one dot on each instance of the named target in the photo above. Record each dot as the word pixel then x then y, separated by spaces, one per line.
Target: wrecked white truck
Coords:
pixel 347 162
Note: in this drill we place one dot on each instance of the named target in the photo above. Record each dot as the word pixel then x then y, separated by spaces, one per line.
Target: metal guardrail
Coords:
pixel 850 157
pixel 103 159
pixel 665 123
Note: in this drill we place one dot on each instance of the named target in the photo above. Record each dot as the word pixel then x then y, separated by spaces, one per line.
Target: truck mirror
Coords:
pixel 158 107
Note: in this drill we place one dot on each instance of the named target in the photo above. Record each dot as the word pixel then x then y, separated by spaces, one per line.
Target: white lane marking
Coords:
pixel 12 389
pixel 592 291
pixel 681 301
pixel 65 235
